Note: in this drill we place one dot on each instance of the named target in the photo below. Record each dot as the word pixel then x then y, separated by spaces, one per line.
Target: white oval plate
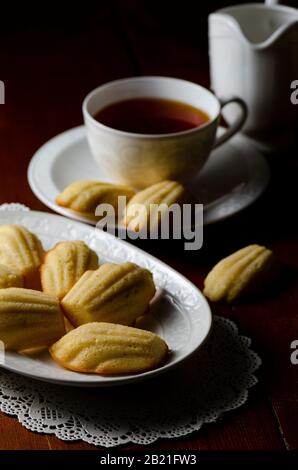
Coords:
pixel 180 313
pixel 234 176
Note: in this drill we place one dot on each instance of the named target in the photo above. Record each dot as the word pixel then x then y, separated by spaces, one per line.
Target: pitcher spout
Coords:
pixel 259 26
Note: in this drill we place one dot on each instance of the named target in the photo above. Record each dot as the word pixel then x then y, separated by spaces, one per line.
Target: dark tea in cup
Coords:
pixel 151 116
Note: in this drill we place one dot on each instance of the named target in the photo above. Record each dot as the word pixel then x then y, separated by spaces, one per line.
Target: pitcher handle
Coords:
pixel 236 126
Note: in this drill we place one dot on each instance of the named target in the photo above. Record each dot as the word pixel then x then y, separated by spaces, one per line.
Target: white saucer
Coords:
pixel 234 176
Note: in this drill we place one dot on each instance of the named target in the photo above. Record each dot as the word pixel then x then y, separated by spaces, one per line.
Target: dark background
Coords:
pixel 94 42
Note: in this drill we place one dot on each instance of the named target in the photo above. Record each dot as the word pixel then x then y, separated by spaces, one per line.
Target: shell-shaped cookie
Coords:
pixel 109 349
pixel 21 250
pixel 246 270
pixel 29 319
pixel 147 207
pixel 10 277
pixel 114 293
pixel 84 196
pixel 64 265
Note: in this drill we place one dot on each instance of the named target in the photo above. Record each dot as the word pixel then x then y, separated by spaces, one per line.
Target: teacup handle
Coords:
pixel 231 130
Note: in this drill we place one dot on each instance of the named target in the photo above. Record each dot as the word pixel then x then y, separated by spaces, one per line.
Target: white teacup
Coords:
pixel 140 159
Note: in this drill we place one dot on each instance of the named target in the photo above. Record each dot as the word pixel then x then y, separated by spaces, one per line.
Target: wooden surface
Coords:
pixel 49 60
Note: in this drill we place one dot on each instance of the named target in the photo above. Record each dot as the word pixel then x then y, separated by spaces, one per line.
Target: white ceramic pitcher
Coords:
pixel 253 52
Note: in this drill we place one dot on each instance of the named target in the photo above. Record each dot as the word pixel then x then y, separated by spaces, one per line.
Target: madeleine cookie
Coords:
pixel 10 277
pixel 29 319
pixel 23 251
pixel 246 271
pixel 115 293
pixel 108 349
pixel 64 265
pixel 84 196
pixel 147 207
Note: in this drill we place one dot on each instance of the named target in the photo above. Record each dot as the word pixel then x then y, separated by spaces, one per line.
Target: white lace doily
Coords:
pixel 211 382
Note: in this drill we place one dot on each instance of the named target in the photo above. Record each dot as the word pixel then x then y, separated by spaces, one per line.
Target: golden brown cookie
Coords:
pixel 64 265
pixel 23 251
pixel 140 213
pixel 84 196
pixel 246 270
pixel 29 319
pixel 10 277
pixel 109 349
pixel 116 293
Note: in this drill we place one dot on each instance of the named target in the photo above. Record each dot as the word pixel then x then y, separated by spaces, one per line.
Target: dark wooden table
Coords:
pixel 49 60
